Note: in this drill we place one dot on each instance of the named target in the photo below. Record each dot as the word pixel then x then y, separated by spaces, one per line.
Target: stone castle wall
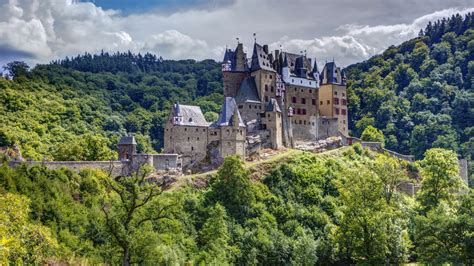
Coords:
pixel 115 168
pixel 232 82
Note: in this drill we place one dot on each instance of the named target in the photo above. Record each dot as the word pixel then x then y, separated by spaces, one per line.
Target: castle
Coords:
pixel 272 100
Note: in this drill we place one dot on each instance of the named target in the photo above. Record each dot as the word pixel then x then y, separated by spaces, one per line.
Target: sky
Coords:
pixel 350 31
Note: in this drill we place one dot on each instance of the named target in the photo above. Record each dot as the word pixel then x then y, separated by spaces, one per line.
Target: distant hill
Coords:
pixel 420 93
pixel 68 108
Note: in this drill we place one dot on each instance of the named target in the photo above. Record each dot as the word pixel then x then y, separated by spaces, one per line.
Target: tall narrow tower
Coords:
pixel 234 70
pixel 127 147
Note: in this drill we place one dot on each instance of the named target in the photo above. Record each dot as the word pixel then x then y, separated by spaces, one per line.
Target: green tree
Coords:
pixel 21 241
pixel 17 69
pixel 129 206
pixel 440 178
pixel 361 234
pixel 232 188
pixel 371 133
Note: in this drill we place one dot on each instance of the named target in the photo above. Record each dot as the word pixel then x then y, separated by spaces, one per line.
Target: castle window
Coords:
pixel 293 80
pixel 321 102
pixel 303 100
pixel 343 111
pixel 250 106
pixel 344 102
pixel 185 129
pixel 343 94
pixel 166 129
pixel 192 148
pixel 240 107
pixel 197 129
pixel 190 119
pixel 304 122
pixel 303 111
pixel 271 88
pixel 310 91
pixel 188 138
pixel 270 76
pixel 293 99
pixel 310 84
pixel 329 102
pixel 336 100
pixel 302 90
pixel 198 138
pixel 313 101
pixel 266 98
pixel 266 87
pixel 300 122
pixel 312 123
pixel 171 137
pixel 203 130
pixel 301 81
pixel 336 110
pixel 335 93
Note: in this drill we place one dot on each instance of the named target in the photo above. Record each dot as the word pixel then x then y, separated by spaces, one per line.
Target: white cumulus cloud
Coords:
pixel 51 29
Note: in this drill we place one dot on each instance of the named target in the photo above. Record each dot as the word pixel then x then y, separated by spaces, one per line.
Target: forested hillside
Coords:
pixel 339 208
pixel 75 109
pixel 420 93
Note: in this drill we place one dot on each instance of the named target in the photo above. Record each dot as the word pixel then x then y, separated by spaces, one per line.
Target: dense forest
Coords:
pixel 344 207
pixel 340 208
pixel 89 101
pixel 420 93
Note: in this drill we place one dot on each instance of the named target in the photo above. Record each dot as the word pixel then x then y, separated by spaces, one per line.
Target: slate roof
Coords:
pixel 231 56
pixel 227 114
pixel 291 61
pixel 273 106
pixel 248 91
pixel 260 59
pixel 191 115
pixel 127 140
pixel 330 72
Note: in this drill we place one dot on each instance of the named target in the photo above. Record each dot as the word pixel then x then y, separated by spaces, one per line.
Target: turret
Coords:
pixel 177 116
pixel 300 68
pixel 126 148
pixel 315 72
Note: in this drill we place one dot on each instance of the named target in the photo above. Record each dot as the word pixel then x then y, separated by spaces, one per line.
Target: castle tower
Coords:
pixel 232 130
pixel 234 70
pixel 273 123
pixel 127 147
pixel 333 96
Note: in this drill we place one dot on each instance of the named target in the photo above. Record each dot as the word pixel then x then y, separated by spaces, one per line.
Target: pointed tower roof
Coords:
pixel 260 59
pixel 273 106
pixel 127 140
pixel 247 91
pixel 226 115
pixel 315 67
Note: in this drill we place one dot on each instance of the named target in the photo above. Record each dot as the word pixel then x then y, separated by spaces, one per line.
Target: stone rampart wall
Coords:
pixel 115 168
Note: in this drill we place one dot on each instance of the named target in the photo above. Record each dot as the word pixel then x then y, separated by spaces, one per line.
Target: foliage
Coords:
pixel 62 104
pixel 420 93
pixel 313 209
pixel 371 133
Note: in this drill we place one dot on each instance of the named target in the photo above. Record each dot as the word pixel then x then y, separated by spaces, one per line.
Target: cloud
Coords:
pixel 51 29
pixel 356 42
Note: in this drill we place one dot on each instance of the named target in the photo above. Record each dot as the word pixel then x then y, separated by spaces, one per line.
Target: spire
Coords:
pixel 285 61
pixel 235 118
pixel 315 67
